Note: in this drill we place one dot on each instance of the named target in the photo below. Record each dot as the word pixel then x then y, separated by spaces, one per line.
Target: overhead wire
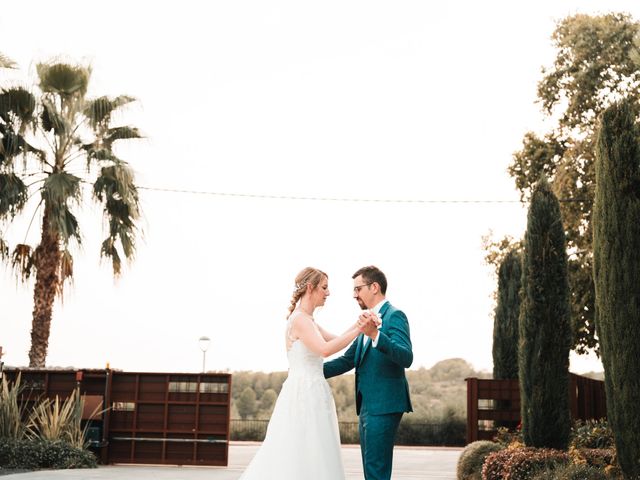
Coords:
pixel 336 199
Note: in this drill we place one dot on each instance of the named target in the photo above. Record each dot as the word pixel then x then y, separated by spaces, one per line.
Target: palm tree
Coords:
pixel 48 138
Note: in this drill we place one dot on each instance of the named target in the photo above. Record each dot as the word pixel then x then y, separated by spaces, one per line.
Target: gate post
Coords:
pixel 472 409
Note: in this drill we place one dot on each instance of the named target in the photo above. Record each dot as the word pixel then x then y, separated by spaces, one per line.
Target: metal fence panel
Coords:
pixel 152 418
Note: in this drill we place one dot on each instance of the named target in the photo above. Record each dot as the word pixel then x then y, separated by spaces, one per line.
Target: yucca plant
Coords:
pixel 12 425
pixel 60 420
pixel 52 419
pixel 54 141
pixel 76 433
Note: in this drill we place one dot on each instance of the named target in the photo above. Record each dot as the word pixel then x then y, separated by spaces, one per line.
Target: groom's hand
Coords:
pixel 368 324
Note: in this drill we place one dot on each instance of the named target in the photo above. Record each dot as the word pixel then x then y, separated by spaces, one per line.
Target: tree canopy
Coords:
pixel 597 63
pixel 616 244
pixel 544 325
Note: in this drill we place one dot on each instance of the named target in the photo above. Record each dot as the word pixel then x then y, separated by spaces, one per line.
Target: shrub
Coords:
pixel 472 457
pixel 603 458
pixel 571 472
pixel 592 434
pixel 33 454
pixel 506 437
pixel 521 463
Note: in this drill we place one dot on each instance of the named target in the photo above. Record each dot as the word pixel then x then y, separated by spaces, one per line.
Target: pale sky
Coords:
pixel 378 100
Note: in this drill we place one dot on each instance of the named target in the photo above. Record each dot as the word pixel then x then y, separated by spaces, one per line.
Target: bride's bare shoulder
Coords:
pixel 300 316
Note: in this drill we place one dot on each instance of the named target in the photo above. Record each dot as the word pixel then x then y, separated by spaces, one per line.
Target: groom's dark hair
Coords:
pixel 372 274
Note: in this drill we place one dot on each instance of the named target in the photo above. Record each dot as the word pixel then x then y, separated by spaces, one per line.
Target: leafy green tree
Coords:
pixel 451 369
pixel 241 380
pixel 247 404
pixel 597 63
pixel 616 246
pixel 267 401
pixel 505 325
pixel 54 142
pixel 544 325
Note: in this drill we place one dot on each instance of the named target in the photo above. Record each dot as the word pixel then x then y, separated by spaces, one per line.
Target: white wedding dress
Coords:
pixel 302 440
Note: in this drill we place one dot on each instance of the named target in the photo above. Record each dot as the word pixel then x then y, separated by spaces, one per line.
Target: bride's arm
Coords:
pixel 303 327
pixel 326 335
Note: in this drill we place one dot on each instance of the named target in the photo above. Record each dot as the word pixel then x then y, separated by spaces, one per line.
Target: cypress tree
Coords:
pixel 544 325
pixel 616 248
pixel 505 324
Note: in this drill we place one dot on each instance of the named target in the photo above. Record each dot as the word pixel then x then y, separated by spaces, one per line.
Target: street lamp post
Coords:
pixel 204 346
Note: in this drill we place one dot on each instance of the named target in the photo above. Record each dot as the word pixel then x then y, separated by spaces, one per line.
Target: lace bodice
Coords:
pixel 301 359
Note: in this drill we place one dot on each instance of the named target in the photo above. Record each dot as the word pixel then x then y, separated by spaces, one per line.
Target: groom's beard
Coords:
pixel 361 303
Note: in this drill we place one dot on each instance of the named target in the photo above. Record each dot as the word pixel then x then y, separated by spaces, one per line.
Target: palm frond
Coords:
pixel 6 62
pixel 12 145
pixel 4 249
pixel 17 113
pixel 57 191
pixel 52 120
pixel 65 271
pixel 117 181
pixel 13 194
pixel 22 261
pixel 63 78
pixel 121 133
pixel 99 110
pixel 19 101
pixel 66 224
pixel 115 187
pixel 96 152
pixel 108 250
pixel 60 187
pixel 121 220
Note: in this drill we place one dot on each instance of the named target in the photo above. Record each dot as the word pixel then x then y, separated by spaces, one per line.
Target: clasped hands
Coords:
pixel 368 323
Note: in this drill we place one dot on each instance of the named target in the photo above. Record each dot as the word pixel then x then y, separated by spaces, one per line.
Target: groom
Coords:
pixel 379 355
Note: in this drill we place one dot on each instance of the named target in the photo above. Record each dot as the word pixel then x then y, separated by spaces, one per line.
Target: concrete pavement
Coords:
pixel 410 463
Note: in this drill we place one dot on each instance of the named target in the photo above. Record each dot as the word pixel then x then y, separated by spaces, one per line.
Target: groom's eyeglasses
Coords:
pixel 360 287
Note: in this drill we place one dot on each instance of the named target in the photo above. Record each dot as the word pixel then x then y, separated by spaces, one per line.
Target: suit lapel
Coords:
pixel 359 348
pixel 365 347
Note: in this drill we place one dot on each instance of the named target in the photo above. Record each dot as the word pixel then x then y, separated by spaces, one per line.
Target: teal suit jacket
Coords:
pixel 381 383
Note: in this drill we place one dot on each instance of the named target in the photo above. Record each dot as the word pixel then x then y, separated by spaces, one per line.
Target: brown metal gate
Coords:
pixel 491 403
pixel 152 418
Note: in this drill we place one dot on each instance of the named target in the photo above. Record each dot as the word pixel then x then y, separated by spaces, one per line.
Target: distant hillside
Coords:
pixel 437 392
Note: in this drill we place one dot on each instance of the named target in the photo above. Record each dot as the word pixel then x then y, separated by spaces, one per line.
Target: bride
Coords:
pixel 302 440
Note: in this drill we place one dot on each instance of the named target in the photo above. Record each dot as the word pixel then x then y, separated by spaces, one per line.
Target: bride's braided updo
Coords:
pixel 308 276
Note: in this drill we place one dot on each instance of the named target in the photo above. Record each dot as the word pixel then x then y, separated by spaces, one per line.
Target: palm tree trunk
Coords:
pixel 47 262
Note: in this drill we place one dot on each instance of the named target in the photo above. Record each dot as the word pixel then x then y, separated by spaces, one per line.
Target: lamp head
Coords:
pixel 204 343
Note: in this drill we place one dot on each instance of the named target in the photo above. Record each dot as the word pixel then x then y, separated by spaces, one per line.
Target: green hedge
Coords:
pixel 450 431
pixel 38 454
